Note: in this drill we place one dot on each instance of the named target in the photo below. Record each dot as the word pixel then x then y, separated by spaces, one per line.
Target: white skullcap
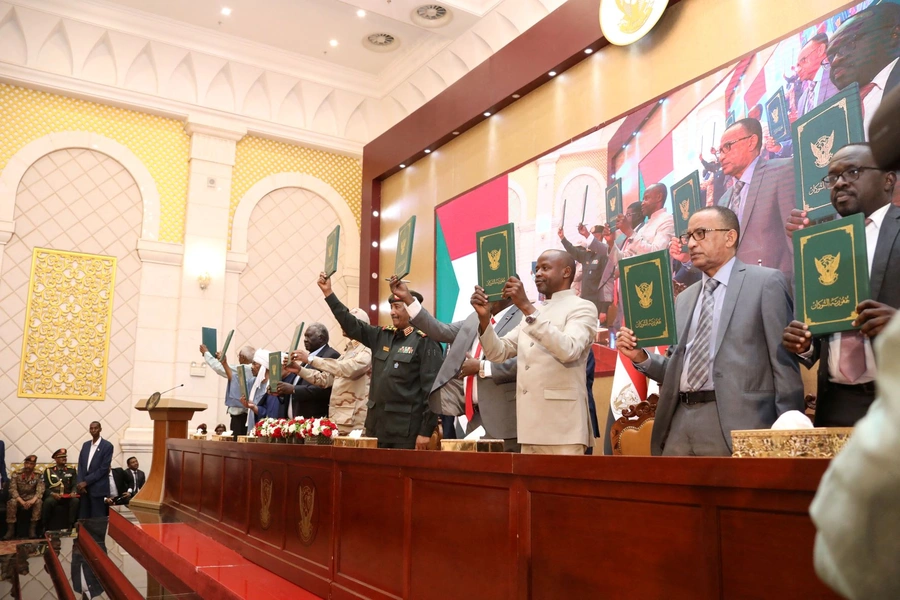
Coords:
pixel 360 314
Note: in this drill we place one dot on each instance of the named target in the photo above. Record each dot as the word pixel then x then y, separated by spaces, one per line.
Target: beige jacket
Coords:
pixel 551 385
pixel 348 377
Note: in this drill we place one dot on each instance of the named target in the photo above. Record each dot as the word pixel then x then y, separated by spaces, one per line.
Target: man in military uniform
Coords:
pixel 404 365
pixel 25 490
pixel 59 490
pixel 593 262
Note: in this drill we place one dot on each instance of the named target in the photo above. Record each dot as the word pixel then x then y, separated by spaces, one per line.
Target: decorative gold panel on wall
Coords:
pixel 160 144
pixel 65 347
pixel 257 158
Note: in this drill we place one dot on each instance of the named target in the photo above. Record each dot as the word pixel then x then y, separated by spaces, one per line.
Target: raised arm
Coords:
pixel 353 327
pixel 353 367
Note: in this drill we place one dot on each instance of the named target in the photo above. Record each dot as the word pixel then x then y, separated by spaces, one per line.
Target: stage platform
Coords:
pixel 351 523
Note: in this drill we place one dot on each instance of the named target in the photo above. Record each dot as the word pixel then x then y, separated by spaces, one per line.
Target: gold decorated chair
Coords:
pixel 630 434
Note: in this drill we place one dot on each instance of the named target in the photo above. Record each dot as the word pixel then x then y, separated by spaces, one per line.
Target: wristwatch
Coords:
pixel 532 317
pixel 481 369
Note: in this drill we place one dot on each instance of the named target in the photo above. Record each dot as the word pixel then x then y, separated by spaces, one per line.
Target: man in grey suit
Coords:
pixel 846 378
pixel 729 369
pixel 489 389
pixel 762 197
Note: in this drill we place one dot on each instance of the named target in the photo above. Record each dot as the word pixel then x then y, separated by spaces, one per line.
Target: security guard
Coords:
pixel 59 490
pixel 593 262
pixel 404 365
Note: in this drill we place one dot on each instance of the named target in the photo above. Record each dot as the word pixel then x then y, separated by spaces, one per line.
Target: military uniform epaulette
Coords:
pixel 421 333
pixel 389 328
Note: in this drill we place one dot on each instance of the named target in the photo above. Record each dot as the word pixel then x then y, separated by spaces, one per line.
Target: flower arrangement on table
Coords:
pixel 319 431
pixel 294 428
pixel 271 430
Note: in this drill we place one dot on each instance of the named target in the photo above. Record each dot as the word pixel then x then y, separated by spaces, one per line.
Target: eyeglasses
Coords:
pixel 698 234
pixel 727 146
pixel 850 175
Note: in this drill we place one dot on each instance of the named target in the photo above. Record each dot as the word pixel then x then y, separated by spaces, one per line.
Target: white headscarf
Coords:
pixel 261 357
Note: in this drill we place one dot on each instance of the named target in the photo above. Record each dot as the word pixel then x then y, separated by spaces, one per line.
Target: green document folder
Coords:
pixel 831 273
pixel 647 299
pixel 777 116
pixel 817 135
pixel 614 201
pixel 274 371
pixel 405 248
pixel 496 256
pixel 243 373
pixel 298 333
pixel 227 342
pixel 208 338
pixel 685 201
pixel 331 251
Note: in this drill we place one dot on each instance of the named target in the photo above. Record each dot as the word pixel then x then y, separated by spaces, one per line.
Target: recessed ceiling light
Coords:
pixel 360 13
pixel 402 166
pixel 588 50
pixel 374 307
pixel 516 96
pixel 226 12
pixel 333 43
pixel 374 244
pixel 455 133
pixel 487 114
pixel 427 151
pixel 552 73
pixel 375 213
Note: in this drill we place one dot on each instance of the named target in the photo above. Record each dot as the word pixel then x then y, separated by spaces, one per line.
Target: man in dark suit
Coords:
pixel 593 263
pixel 865 50
pixel 306 399
pixel 133 477
pixel 729 369
pixel 489 389
pixel 846 378
pixel 93 474
pixel 762 197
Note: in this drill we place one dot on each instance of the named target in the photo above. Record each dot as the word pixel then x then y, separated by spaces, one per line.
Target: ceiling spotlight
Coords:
pixel 552 73
pixel 374 307
pixel 402 166
pixel 226 12
pixel 487 114
pixel 516 96
pixel 427 151
pixel 360 13
pixel 588 50
pixel 333 43
pixel 374 244
pixel 375 213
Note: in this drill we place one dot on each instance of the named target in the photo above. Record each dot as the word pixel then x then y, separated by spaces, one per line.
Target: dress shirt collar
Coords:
pixel 747 175
pixel 316 351
pixel 818 78
pixel 659 214
pixel 560 294
pixel 878 216
pixel 502 313
pixel 97 443
pixel 880 80
pixel 723 275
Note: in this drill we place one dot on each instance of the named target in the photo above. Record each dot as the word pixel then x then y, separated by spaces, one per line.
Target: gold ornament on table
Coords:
pixel 307 506
pixel 494 259
pixel 645 293
pixel 265 497
pixel 821 149
pixel 827 267
pixel 685 207
pixel 634 14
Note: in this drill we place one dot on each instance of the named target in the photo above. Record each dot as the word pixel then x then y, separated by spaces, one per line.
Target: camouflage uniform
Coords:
pixel 348 377
pixel 26 489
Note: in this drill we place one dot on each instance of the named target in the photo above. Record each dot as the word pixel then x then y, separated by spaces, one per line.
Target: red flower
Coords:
pixel 326 432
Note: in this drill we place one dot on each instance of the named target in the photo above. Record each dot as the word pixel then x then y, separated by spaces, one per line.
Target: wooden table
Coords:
pixel 402 524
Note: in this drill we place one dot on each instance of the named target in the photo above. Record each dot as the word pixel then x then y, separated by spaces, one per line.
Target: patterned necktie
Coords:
pixel 852 363
pixel 735 203
pixel 470 384
pixel 698 372
pixel 810 97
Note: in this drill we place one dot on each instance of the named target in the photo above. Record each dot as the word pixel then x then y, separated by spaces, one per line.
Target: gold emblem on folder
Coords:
pixel 821 149
pixel 827 267
pixel 265 497
pixel 775 115
pixel 685 207
pixel 494 259
pixel 634 14
pixel 403 243
pixel 645 293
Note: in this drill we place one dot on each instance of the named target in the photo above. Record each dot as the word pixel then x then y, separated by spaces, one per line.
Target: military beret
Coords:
pixel 60 452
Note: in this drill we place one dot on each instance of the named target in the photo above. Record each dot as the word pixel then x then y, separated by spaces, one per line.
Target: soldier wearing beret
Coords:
pixel 25 490
pixel 59 490
pixel 404 365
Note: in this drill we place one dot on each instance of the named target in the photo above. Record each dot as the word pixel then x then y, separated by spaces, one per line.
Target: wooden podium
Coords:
pixel 170 421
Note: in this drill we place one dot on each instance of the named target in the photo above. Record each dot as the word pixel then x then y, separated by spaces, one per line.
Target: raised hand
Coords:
pixel 324 284
pixel 873 317
pixel 796 221
pixel 399 289
pixel 626 344
pixel 796 337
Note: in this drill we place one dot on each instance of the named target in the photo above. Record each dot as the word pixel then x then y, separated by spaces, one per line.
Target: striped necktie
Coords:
pixel 698 372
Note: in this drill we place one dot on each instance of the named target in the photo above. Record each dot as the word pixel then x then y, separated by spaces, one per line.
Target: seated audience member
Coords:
pixel 118 494
pixel 855 510
pixel 308 399
pixel 347 376
pixel 729 369
pixel 236 410
pixel 133 477
pixel 220 428
pixel 262 404
pixel 59 490
pixel 846 378
pixel 25 491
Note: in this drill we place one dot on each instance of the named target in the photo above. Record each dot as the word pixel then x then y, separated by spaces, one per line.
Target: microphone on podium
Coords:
pixel 155 397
